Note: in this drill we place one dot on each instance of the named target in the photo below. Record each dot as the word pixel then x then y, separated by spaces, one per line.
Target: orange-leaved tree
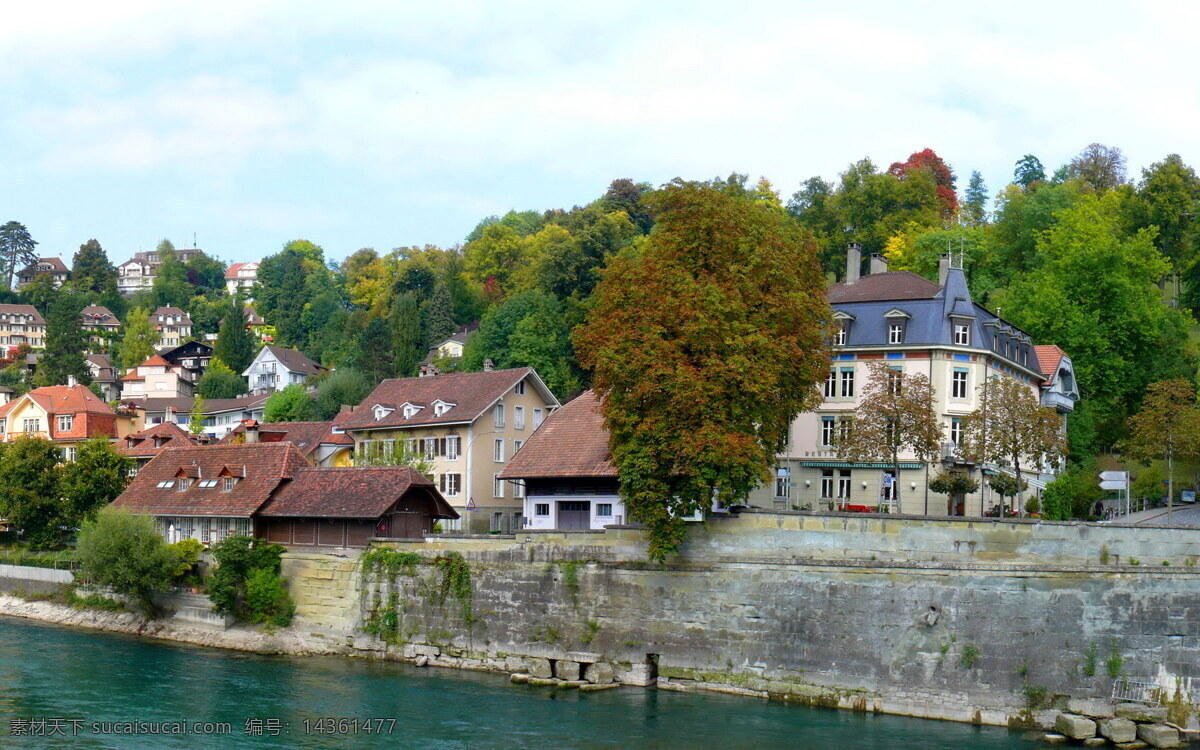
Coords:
pixel 704 343
pixel 1167 427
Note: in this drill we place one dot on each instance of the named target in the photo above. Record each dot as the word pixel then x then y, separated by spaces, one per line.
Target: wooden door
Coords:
pixel 574 514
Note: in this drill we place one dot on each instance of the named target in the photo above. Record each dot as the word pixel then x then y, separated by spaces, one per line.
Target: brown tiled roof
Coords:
pixel 63 399
pixel 56 264
pixel 1048 357
pixel 141 444
pixel 470 392
pixel 572 442
pixel 892 285
pixel 98 315
pixel 358 492
pixel 179 404
pixel 106 370
pixel 295 361
pixel 172 311
pixel 307 436
pixel 266 465
pixel 23 310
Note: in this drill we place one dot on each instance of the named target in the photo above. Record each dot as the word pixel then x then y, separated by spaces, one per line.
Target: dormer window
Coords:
pixel 410 410
pixel 896 332
pixel 184 483
pixel 228 483
pixel 520 389
pixel 842 322
pixel 381 412
pixel 962 334
pixel 441 407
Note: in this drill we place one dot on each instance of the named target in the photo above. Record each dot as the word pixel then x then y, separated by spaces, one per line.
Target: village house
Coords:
pixel 269 490
pixel 241 276
pixel 566 471
pixel 104 375
pixel 144 445
pixel 192 357
pixel 275 368
pixel 139 272
pixel 452 348
pixel 914 325
pixel 174 326
pixel 21 324
pixel 52 267
pixel 321 443
pixel 468 425
pixel 67 415
pixel 158 378
pixel 102 326
pixel 220 415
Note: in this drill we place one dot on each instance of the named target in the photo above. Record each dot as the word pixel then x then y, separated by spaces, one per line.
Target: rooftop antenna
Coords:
pixel 194 245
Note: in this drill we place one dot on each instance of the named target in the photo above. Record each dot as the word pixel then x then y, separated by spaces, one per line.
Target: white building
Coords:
pixel 275 368
pixel 241 276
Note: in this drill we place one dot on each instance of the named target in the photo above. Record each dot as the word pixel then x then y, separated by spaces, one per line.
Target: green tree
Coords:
pixel 439 316
pixel 66 346
pixel 1169 198
pixel 16 250
pixel 894 415
pixel 975 201
pixel 206 315
pixel 196 416
pixel 41 292
pixel 235 342
pixel 395 453
pixel 238 559
pixel 499 254
pixel 91 270
pixel 342 386
pixel 1028 171
pixel 128 555
pixel 140 339
pixel 171 287
pixel 30 497
pixel 703 350
pixel 375 355
pixel 292 404
pixel 1072 494
pixel 205 274
pixel 1102 167
pixel 1167 426
pixel 218 381
pixel 542 341
pixel 95 478
pixel 406 338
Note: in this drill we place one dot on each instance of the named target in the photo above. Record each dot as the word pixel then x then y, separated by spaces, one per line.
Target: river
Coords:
pixel 86 686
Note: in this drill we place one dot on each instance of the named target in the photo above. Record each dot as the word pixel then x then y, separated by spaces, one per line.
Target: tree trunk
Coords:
pixel 894 505
pixel 1019 505
pixel 1170 474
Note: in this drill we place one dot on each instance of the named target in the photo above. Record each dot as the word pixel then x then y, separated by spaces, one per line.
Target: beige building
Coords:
pixel 21 324
pixel 468 425
pixel 156 378
pixel 174 326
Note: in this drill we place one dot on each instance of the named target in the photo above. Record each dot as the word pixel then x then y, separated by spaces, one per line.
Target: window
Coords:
pixel 410 410
pixel 184 483
pixel 844 484
pixel 66 422
pixel 827 426
pixel 517 446
pixel 958 385
pixel 498 450
pixel 518 489
pixel 842 334
pixel 888 486
pixel 498 416
pixel 31 425
pixel 430 446
pixel 381 412
pixel 68 453
pixel 831 384
pixel 450 484
pixel 848 382
pixel 895 333
pixel 206 484
pixel 962 334
pixel 537 418
pixel 452 447
pixel 497 486
pixel 228 483
pixel 604 510
pixel 541 509
pixel 826 482
pixel 519 417
pixel 167 484
pixel 3 425
pixel 895 380
pixel 955 430
pixel 782 483
pixel 520 389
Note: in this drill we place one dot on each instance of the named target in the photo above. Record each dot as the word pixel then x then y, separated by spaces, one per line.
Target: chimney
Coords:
pixel 71 381
pixel 427 371
pixel 487 365
pixel 943 268
pixel 853 262
pixel 879 264
pixel 251 431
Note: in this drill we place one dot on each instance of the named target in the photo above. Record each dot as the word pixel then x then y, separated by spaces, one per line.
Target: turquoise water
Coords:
pixel 57 673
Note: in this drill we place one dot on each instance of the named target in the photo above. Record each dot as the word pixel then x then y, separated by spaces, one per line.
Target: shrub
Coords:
pixel 266 599
pixel 127 554
pixel 187 552
pixel 239 558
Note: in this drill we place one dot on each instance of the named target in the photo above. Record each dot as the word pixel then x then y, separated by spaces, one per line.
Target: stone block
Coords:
pixel 566 670
pixel 1141 714
pixel 1095 742
pixel 543 682
pixel 519 678
pixel 637 674
pixel 584 657
pixel 574 684
pixel 540 668
pixel 1159 735
pixel 1074 726
pixel 420 650
pixel 1093 708
pixel 588 688
pixel 1135 745
pixel 600 673
pixel 1117 730
pixel 1054 739
pixel 516 664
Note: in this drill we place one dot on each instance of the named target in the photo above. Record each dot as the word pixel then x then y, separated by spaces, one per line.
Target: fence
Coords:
pixel 1134 691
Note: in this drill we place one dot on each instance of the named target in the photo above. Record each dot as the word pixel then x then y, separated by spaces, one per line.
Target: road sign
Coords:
pixel 1114 476
pixel 470 503
pixel 1113 484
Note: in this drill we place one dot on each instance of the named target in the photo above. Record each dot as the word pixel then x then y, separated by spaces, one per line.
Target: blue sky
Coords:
pixel 383 124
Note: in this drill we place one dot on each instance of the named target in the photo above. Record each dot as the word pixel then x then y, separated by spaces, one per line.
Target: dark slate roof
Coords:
pixel 307 436
pixel 187 349
pixel 472 393
pixel 143 443
pixel 265 466
pixel 106 370
pixel 352 492
pixel 572 442
pixel 295 361
pixel 211 405
pixel 56 266
pixel 892 285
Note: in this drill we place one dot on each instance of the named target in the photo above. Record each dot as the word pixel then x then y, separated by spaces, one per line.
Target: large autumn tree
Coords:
pixel 1167 427
pixel 704 345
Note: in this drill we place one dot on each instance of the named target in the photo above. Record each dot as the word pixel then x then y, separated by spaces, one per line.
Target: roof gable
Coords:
pixel 359 492
pixel 572 442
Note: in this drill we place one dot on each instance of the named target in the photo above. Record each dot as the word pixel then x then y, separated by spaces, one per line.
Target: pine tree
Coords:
pixel 235 343
pixel 16 250
pixel 66 344
pixel 439 316
pixel 91 271
pixel 171 285
pixel 375 357
pixel 405 324
pixel 140 338
pixel 975 201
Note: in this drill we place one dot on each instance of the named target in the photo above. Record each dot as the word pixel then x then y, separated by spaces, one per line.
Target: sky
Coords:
pixel 241 125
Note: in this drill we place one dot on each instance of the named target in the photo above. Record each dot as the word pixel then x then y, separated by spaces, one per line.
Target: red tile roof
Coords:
pixel 64 399
pixel 472 393
pixel 265 466
pixel 1048 357
pixel 142 444
pixel 572 442
pixel 892 285
pixel 232 271
pixel 358 492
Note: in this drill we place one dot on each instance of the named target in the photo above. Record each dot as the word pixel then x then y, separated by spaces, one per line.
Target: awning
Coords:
pixel 848 465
